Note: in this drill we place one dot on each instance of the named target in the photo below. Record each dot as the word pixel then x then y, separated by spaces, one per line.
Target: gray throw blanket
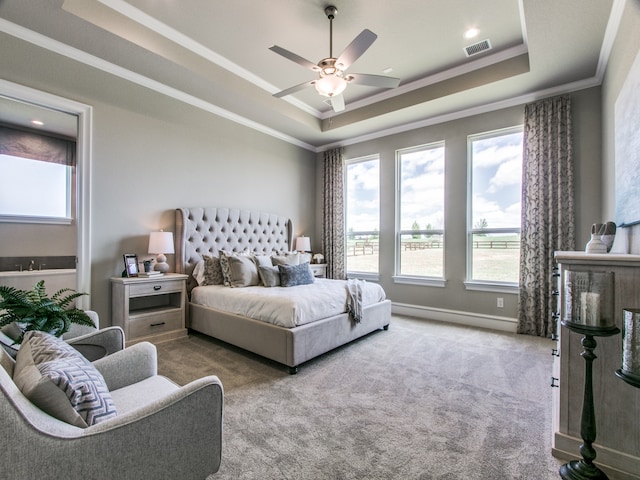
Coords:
pixel 354 299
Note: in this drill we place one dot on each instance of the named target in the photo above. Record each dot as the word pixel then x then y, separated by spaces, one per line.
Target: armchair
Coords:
pixel 161 431
pixel 92 342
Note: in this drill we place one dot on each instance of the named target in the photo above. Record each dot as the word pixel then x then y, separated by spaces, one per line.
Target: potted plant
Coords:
pixel 34 310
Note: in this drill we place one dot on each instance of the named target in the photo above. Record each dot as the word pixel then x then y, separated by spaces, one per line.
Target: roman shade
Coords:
pixel 36 146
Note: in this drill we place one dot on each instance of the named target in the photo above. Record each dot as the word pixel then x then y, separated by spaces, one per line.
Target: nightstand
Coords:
pixel 319 269
pixel 151 309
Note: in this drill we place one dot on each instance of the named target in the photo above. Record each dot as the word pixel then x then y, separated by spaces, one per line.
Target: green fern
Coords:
pixel 34 310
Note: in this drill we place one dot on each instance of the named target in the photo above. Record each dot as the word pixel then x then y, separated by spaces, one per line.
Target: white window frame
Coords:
pixel 373 276
pixel 470 283
pixel 399 278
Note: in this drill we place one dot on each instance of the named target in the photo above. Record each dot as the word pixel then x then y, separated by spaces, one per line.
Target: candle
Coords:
pixel 590 308
pixel 631 342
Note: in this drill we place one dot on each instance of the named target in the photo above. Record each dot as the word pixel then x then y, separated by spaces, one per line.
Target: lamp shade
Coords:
pixel 330 85
pixel 161 242
pixel 303 244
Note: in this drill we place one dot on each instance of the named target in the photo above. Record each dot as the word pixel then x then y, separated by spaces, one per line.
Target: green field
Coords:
pixel 494 264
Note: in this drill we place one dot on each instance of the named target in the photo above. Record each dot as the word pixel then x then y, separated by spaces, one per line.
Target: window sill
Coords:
pixel 492 287
pixel 33 219
pixel 423 281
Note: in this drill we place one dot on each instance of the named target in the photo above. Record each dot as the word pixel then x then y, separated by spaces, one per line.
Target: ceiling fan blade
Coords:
pixel 373 80
pixel 293 89
pixel 355 49
pixel 337 103
pixel 294 58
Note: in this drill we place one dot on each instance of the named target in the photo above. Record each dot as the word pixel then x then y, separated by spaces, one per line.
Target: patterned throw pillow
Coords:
pixel 60 381
pixel 212 271
pixel 292 275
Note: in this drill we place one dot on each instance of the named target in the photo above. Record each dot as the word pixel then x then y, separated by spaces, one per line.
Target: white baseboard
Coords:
pixel 617 465
pixel 504 324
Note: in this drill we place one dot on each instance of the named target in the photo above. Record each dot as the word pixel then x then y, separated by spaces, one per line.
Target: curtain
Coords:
pixel 26 144
pixel 333 213
pixel 547 209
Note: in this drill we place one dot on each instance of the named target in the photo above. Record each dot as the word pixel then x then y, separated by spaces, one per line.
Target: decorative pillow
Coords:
pixel 269 276
pixel 292 275
pixel 286 258
pixel 212 271
pixel 224 263
pixel 60 381
pixel 262 260
pixel 243 272
pixel 304 257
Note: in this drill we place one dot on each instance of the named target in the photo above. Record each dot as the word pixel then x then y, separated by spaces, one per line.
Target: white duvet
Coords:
pixel 286 306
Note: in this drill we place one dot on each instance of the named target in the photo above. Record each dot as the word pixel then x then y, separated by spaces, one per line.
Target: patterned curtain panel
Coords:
pixel 547 209
pixel 333 213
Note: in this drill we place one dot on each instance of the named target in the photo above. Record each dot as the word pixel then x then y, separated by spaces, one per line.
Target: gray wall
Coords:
pixel 625 50
pixel 454 297
pixel 152 154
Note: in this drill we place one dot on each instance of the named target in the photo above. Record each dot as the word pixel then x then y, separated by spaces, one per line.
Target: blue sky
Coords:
pixel 363 196
pixel 497 179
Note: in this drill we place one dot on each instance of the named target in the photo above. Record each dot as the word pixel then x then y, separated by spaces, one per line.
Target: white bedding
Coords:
pixel 286 306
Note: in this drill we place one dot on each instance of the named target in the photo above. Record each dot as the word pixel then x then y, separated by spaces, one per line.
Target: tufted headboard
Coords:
pixel 205 231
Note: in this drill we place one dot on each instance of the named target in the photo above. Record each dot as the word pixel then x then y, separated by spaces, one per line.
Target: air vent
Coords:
pixel 477 48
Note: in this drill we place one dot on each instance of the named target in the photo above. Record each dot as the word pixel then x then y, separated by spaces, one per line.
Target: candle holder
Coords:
pixel 630 371
pixel 585 469
pixel 588 302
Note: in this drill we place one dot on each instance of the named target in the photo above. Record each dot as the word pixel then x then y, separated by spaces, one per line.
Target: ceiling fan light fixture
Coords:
pixel 330 85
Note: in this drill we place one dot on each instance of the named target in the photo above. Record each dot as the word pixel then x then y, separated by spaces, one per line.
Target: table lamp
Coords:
pixel 161 243
pixel 303 244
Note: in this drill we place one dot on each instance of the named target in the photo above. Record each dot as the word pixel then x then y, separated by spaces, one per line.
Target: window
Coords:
pixel 31 188
pixel 495 180
pixel 37 175
pixel 420 215
pixel 363 214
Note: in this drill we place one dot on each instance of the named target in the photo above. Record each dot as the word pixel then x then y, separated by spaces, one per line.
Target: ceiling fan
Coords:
pixel 332 79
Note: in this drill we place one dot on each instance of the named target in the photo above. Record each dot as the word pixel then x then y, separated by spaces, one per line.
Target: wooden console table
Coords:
pixel 617 404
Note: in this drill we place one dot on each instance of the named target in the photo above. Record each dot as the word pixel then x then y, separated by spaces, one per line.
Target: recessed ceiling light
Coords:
pixel 471 33
pixel 37 122
pixel 387 70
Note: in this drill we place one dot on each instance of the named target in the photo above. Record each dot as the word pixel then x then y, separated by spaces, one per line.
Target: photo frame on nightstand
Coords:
pixel 131 264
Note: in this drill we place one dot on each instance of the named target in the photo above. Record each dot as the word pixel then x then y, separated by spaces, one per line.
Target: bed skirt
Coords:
pixel 288 346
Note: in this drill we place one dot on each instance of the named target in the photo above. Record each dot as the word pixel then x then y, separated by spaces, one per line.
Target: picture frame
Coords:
pixel 131 264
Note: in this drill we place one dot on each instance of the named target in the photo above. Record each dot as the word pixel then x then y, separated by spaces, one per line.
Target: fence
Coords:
pixel 496 244
pixel 371 248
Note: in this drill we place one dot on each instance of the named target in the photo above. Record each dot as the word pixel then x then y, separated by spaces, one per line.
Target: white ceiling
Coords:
pixel 214 54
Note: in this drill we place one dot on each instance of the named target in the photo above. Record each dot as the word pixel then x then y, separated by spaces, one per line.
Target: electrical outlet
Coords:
pixel 500 302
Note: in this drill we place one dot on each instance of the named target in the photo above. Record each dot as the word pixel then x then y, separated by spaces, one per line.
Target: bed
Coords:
pixel 207 231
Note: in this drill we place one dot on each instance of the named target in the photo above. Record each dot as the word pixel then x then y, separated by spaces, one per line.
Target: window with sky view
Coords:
pixel 420 231
pixel 363 214
pixel 495 173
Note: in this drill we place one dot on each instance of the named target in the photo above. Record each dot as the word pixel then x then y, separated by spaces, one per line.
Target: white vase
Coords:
pixel 608 241
pixel 595 245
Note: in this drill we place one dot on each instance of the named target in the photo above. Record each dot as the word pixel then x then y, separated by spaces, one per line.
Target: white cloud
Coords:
pixel 508 173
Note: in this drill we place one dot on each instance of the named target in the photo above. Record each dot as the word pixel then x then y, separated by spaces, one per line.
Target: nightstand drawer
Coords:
pixel 155 288
pixel 147 325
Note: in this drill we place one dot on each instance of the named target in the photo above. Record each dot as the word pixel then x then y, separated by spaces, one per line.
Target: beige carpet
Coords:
pixel 424 400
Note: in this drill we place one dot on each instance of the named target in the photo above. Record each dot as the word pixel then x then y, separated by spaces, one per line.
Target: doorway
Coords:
pixel 68 112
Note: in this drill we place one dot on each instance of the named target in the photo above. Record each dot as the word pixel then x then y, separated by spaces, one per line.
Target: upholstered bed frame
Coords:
pixel 205 231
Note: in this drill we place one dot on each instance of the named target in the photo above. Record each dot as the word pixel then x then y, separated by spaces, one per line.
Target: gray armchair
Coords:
pixel 90 341
pixel 161 431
